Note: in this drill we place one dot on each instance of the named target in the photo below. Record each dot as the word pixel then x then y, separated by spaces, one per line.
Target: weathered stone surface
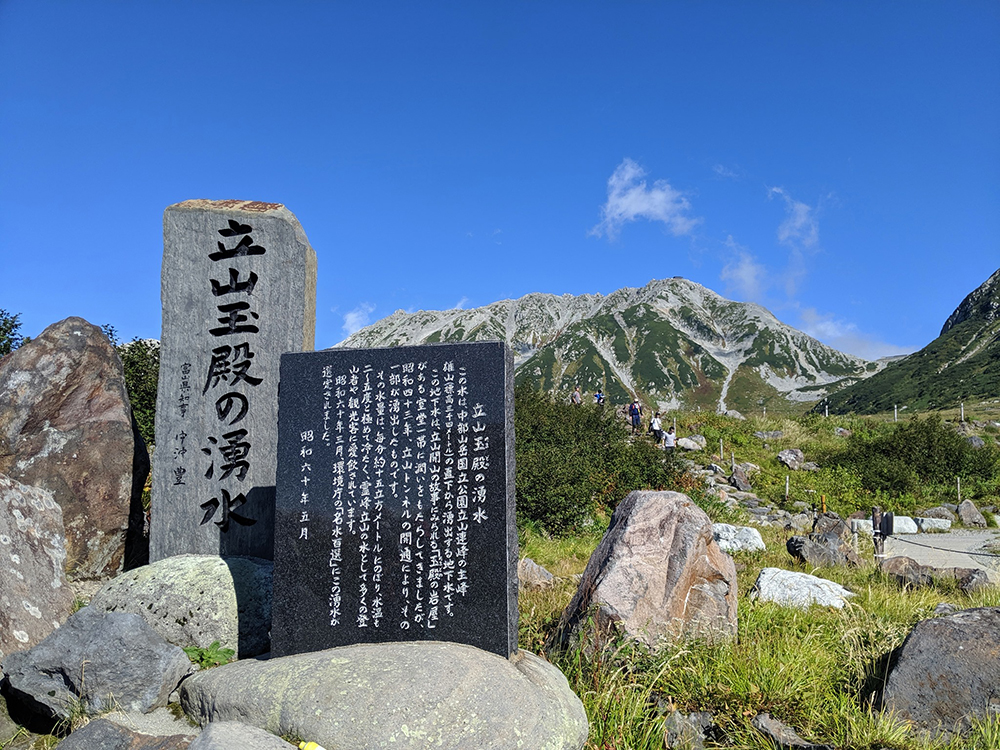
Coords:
pixel 809 466
pixel 396 695
pixel 67 427
pixel 791 589
pixel 230 735
pixel 793 458
pixel 657 574
pixel 686 731
pixel 908 573
pixel 102 734
pixel 194 600
pixel 904 525
pixel 239 290
pixel 947 671
pixel 931 525
pixel 531 574
pixel 969 515
pixel 801 522
pixel 688 444
pixel 35 597
pixel 819 550
pixel 975 441
pixel 737 538
pixel 939 512
pixel 782 735
pixel 740 480
pixel 104 659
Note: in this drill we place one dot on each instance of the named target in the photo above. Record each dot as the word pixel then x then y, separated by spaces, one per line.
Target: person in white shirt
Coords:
pixel 656 428
pixel 669 440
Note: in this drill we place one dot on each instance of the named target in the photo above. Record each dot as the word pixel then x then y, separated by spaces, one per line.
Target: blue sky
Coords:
pixel 838 162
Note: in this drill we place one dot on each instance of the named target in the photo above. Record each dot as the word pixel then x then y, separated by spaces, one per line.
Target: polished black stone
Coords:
pixel 395 498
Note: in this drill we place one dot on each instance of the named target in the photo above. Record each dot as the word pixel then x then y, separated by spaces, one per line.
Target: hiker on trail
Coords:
pixel 577 397
pixel 599 397
pixel 635 412
pixel 656 428
pixel 669 440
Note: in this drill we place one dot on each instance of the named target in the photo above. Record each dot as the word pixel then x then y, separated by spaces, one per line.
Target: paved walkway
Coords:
pixel 951 550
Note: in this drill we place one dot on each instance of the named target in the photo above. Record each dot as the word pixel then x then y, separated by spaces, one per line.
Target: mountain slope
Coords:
pixel 673 342
pixel 962 364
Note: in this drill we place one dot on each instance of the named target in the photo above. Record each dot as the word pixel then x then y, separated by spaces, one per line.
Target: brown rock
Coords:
pixel 969 515
pixel 657 574
pixel 66 426
pixel 106 735
pixel 35 597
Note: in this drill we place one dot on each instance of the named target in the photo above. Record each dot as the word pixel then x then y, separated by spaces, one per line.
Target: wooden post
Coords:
pixel 877 533
pixel 822 503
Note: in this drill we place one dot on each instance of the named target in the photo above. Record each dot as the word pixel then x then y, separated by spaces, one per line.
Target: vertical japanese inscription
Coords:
pixel 416 498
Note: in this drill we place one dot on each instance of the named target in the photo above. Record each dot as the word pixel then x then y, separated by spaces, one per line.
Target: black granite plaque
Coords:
pixel 395 498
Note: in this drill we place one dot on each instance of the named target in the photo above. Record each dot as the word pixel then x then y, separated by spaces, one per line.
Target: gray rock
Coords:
pixel 908 573
pixel 35 597
pixel 737 538
pixel 229 735
pixel 782 735
pixel 903 525
pixel 823 550
pixel 791 589
pixel 809 466
pixel 531 574
pixel 193 600
pixel 261 285
pixel 932 525
pixel 945 608
pixel 793 458
pixel 969 515
pixel 842 432
pixel 104 660
pixel 656 575
pixel 947 671
pixel 67 427
pixel 950 506
pixel 740 481
pixel 769 435
pixel 396 695
pixel 699 440
pixel 734 414
pixel 687 444
pixel 102 734
pixel 686 731
pixel 801 522
pixel 975 441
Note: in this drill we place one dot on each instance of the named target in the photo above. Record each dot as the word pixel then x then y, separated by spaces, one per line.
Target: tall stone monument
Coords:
pixel 238 291
pixel 395 508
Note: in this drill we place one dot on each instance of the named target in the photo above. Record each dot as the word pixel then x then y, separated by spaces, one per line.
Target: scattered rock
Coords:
pixel 687 731
pixel 67 427
pixel 35 597
pixel 793 458
pixel 657 574
pixel 734 414
pixel 969 515
pixel 737 538
pixel 947 671
pixel 194 600
pixel 842 432
pixel 104 660
pixel 932 525
pixel 106 735
pixel 827 549
pixel 792 589
pixel 228 735
pixel 687 444
pixel 809 466
pixel 903 525
pixel 699 440
pixel 975 441
pixel 532 575
pixel 769 435
pixel 945 608
pixel 398 695
pixel 801 522
pixel 782 735
pixel 739 480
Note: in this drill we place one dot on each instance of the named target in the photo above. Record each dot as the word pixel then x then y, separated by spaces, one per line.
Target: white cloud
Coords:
pixel 800 229
pixel 845 336
pixel 496 236
pixel 729 174
pixel 358 318
pixel 629 198
pixel 743 274
pixel 460 305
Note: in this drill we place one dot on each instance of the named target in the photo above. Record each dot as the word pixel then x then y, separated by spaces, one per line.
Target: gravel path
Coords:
pixel 951 550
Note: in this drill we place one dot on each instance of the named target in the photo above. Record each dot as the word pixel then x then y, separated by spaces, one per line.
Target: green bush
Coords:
pixel 141 364
pixel 577 460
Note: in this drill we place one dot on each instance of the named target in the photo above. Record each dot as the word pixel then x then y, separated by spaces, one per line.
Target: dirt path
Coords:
pixel 951 549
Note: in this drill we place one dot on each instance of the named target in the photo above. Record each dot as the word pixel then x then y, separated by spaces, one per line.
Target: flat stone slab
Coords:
pixel 397 695
pixel 792 589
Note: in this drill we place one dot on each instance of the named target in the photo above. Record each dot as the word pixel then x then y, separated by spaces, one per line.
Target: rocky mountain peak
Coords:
pixel 983 304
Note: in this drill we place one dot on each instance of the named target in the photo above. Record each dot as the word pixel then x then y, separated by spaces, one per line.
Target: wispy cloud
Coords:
pixel 800 229
pixel 630 198
pixel 845 336
pixel 743 274
pixel 358 318
pixel 460 305
pixel 496 236
pixel 728 173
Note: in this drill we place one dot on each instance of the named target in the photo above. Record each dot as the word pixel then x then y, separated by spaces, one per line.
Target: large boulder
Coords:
pixel 947 671
pixel 232 735
pixel 35 597
pixel 740 480
pixel 822 550
pixel 102 734
pixel 101 660
pixel 791 589
pixel 66 426
pixel 194 600
pixel 532 575
pixel 396 695
pixel 657 574
pixel 969 515
pixel 908 573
